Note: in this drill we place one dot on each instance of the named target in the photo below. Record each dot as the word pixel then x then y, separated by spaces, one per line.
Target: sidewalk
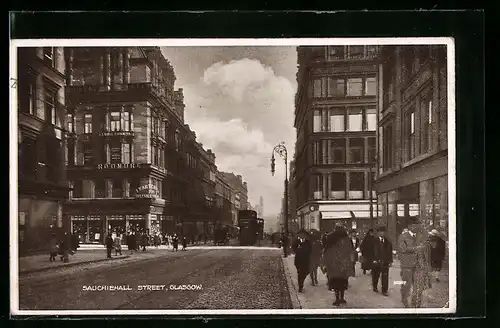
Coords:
pixel 36 263
pixel 360 294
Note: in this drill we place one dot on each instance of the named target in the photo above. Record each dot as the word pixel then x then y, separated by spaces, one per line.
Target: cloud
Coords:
pixel 241 110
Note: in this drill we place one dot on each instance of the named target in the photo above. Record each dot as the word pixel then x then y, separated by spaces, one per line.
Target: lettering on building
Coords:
pixel 147 191
pixel 118 166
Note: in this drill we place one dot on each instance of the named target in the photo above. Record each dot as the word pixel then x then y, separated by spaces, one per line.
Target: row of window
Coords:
pixel 344 87
pixel 110 188
pixel 418 121
pixel 342 151
pixel 352 119
pixel 341 52
pixel 341 185
pixel 115 152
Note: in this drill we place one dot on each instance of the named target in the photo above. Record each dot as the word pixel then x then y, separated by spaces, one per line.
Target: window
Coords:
pixel 127 126
pixel 49 56
pixel 88 189
pixel 115 149
pixel 87 128
pixel 336 52
pixel 318 88
pixel 337 120
pixel 114 121
pixel 356 185
pixel 78 189
pixel 70 123
pixel 371 119
pixel 318 154
pixel 426 123
pixel 50 106
pixel 356 52
pixel 387 147
pixel 372 150
pixel 27 158
pixel 355 119
pixel 30 88
pixel 371 51
pixel 100 189
pixel 87 154
pixel 338 185
pixel 126 188
pixel 117 188
pixel 317 186
pixel 356 151
pixel 338 151
pixel 410 133
pixel 317 121
pixel 177 140
pixel 126 153
pixel 354 87
pixel 336 88
pixel 370 86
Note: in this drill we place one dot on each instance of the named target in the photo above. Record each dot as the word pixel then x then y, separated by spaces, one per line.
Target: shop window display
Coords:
pixel 441 204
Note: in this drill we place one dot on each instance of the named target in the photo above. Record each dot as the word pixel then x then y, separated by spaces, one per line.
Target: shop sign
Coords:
pixel 155 209
pixel 147 191
pixel 119 166
pixel 116 133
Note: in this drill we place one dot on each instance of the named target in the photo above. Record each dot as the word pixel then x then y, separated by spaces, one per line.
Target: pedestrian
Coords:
pixel 157 240
pixel 382 260
pixel 316 253
pixel 144 241
pixel 54 248
pixel 414 256
pixel 118 244
pixel 338 259
pixel 355 244
pixel 438 253
pixel 184 243
pixel 285 242
pixel 63 246
pixel 75 241
pixel 367 249
pixel 175 243
pixel 109 245
pixel 302 249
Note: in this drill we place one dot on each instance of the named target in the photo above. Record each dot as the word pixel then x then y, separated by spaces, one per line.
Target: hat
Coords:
pixel 434 232
pixel 414 220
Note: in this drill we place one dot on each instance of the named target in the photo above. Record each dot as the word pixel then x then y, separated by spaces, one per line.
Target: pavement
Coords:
pixel 224 278
pixel 360 294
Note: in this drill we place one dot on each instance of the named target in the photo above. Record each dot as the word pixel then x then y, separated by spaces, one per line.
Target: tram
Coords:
pixel 249 227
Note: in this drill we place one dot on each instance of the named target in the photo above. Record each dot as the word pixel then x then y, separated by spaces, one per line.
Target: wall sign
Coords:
pixel 147 191
pixel 119 166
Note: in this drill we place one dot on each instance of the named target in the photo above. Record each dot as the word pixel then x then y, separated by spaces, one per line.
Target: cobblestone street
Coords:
pixel 223 279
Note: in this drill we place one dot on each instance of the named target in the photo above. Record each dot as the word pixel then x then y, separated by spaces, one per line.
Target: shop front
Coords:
pixel 426 199
pixel 116 225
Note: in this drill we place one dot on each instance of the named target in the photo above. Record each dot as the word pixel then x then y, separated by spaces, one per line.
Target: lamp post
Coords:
pixel 282 151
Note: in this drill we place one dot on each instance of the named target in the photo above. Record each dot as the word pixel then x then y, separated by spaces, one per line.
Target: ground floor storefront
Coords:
pixel 37 220
pixel 325 215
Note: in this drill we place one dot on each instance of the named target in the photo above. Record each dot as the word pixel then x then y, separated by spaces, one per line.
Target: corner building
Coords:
pixel 41 146
pixel 125 159
pixel 412 172
pixel 335 119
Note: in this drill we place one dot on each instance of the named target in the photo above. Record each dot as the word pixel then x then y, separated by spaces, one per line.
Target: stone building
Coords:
pixel 412 171
pixel 335 120
pixel 42 185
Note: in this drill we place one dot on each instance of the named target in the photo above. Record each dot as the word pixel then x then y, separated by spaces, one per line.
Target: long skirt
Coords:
pixel 338 283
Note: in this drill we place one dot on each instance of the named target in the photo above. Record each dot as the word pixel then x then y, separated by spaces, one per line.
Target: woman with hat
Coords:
pixel 302 249
pixel 438 251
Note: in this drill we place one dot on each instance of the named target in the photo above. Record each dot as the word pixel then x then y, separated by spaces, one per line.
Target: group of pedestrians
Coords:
pixel 62 245
pixel 421 255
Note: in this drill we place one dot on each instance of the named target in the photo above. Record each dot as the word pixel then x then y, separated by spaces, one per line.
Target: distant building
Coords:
pixel 412 172
pixel 42 183
pixel 335 119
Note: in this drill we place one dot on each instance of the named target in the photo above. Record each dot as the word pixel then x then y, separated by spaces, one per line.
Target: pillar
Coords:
pixel 102 70
pixel 126 66
pixel 107 68
pixel 69 75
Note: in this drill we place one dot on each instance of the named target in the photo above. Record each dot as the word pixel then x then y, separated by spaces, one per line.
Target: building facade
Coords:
pixel 224 209
pixel 41 146
pixel 239 193
pixel 412 170
pixel 335 120
pixel 126 152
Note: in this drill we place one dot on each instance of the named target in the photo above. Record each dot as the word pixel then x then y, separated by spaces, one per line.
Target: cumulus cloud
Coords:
pixel 241 110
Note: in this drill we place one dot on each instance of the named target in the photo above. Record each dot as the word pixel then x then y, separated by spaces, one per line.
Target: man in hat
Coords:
pixel 382 260
pixel 414 253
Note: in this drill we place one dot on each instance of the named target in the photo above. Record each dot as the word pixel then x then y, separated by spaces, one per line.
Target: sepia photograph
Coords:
pixel 232 176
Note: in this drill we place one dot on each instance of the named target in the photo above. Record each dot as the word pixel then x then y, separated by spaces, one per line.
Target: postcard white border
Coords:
pixel 14 274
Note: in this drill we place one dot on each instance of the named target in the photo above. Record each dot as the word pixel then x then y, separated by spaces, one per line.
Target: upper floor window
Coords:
pixel 338 185
pixel 356 185
pixel 370 86
pixel 317 121
pixel 49 55
pixel 371 51
pixel 338 151
pixel 387 142
pixel 319 90
pixel 336 87
pixel 426 122
pixel 70 123
pixel 87 123
pixel 356 52
pixel 88 156
pixel 356 151
pixel 409 120
pixel 371 119
pixel 50 106
pixel 372 150
pixel 114 121
pixel 355 119
pixel 337 120
pixel 336 52
pixel 354 87
pixel 178 142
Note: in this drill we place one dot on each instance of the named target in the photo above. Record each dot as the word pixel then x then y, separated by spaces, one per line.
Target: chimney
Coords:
pixel 240 178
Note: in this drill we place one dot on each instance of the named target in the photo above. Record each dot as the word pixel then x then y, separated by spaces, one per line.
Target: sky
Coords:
pixel 240 103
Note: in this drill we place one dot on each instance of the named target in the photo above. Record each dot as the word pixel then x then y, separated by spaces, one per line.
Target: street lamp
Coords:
pixel 282 151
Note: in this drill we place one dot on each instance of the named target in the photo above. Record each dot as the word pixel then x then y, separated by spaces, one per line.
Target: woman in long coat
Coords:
pixel 316 254
pixel 367 251
pixel 337 259
pixel 302 249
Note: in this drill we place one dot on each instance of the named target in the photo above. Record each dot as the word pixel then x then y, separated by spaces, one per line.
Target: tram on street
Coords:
pixel 249 227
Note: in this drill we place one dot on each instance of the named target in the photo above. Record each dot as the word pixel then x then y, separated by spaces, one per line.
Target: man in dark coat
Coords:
pixel 302 249
pixel 382 260
pixel 109 245
pixel 366 248
pixel 355 245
